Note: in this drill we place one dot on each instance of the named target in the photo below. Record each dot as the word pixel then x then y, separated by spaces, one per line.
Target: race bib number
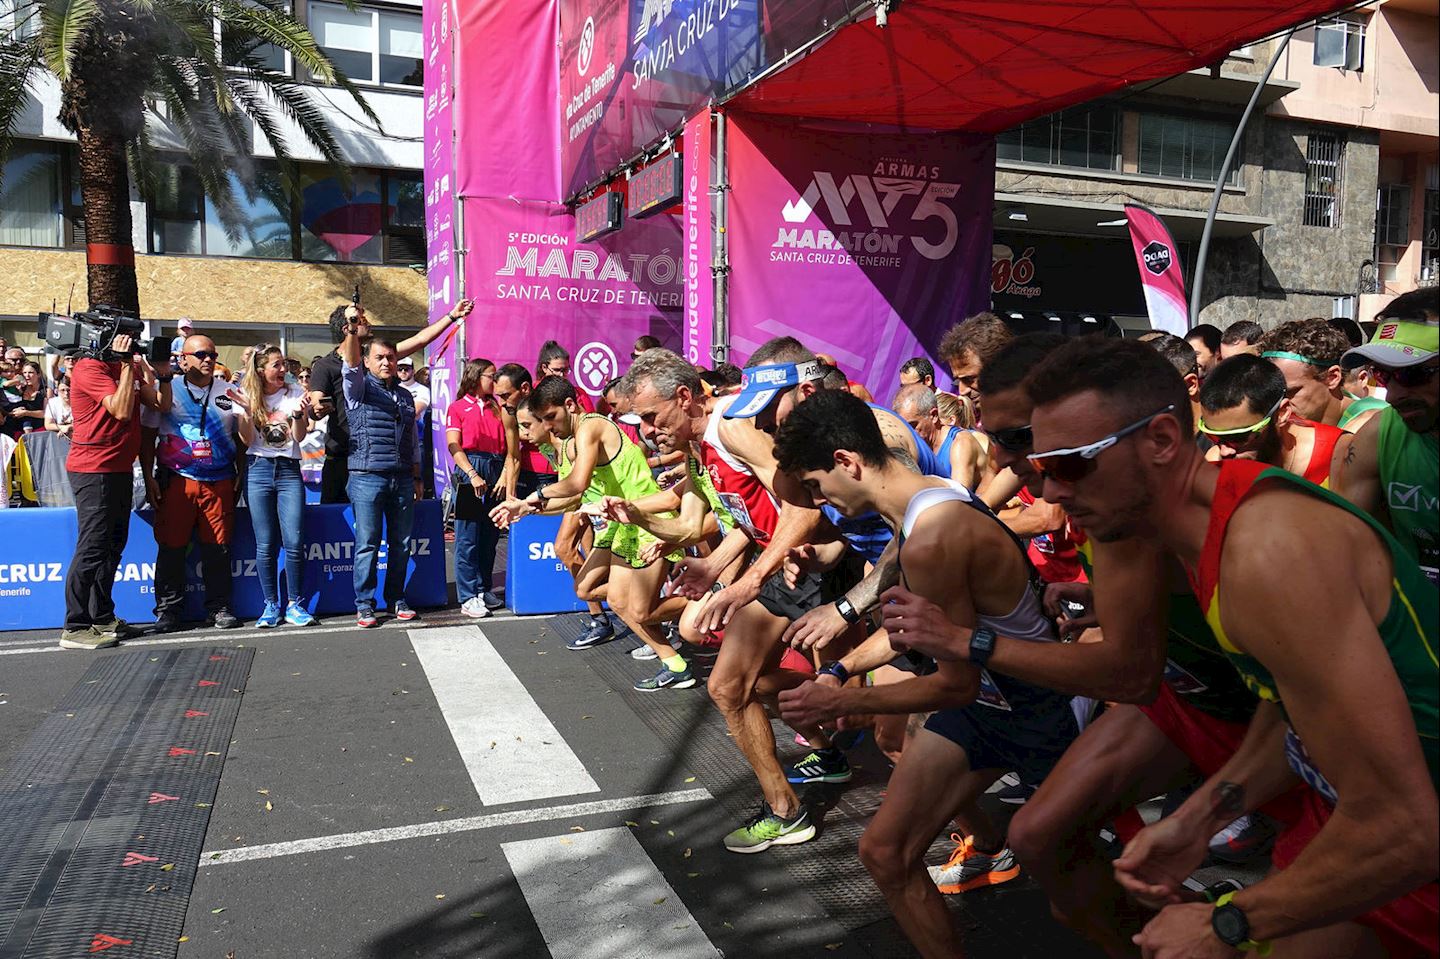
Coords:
pixel 990 694
pixel 1181 680
pixel 1303 767
pixel 736 505
pixel 597 523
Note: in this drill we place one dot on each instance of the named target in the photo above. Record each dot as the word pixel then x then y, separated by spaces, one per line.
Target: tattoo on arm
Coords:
pixel 1228 799
pixel 865 595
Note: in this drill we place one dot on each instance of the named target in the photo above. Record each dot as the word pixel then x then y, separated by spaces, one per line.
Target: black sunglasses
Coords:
pixel 203 355
pixel 1408 376
pixel 1017 439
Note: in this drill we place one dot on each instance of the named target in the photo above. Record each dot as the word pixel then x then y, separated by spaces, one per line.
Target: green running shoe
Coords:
pixel 767 828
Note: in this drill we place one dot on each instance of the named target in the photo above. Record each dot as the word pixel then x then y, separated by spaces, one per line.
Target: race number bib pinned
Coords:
pixel 736 505
pixel 200 451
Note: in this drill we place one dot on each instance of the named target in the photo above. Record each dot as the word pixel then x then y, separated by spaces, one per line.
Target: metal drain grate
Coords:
pixel 107 805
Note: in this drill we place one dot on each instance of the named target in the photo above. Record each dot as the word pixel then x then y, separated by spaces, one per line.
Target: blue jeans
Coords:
pixel 276 495
pixel 476 538
pixel 377 498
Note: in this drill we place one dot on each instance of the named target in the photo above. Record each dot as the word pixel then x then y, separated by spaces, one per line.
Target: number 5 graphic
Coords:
pixel 930 206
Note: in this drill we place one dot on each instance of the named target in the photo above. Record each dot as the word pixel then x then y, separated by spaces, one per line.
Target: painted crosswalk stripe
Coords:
pixel 598 894
pixel 511 750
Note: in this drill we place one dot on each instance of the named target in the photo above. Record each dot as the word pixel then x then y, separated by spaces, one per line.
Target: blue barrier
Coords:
pixel 40 543
pixel 535 579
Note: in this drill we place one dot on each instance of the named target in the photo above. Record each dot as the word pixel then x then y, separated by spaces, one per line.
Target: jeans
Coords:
pixel 476 538
pixel 276 495
pixel 377 498
pixel 102 508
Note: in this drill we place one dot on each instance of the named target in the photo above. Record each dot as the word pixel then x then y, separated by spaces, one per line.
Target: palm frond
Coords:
pixel 17 59
pixel 63 23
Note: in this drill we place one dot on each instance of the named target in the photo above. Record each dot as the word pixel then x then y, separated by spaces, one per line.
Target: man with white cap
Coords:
pixel 1389 468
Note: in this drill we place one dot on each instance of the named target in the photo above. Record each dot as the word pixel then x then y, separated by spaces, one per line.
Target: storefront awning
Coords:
pixel 987 65
pixel 1075 217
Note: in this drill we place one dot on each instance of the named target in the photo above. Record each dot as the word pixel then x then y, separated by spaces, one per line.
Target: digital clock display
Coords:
pixel 598 217
pixel 657 187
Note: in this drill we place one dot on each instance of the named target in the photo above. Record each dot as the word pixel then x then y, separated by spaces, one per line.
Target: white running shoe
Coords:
pixel 475 608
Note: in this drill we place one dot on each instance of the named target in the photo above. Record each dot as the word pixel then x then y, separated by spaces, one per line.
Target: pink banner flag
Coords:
pixel 1160 274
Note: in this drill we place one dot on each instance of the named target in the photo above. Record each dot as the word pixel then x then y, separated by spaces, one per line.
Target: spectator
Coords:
pixel 25 404
pixel 326 389
pixel 196 456
pixel 1242 336
pixel 642 344
pixel 275 419
pixel 1205 339
pixel 105 441
pixel 10 367
pixel 956 411
pixel 383 469
pixel 554 360
pixel 917 369
pixel 422 376
pixel 406 370
pixel 59 417
pixel 303 378
pixel 723 380
pixel 475 436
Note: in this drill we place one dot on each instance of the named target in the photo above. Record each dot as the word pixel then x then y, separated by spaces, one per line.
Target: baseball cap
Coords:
pixel 1396 345
pixel 760 385
pixel 405 361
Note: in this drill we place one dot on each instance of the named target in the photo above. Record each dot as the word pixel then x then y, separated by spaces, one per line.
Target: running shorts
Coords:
pixel 627 542
pixel 1029 741
pixel 812 590
pixel 1408 927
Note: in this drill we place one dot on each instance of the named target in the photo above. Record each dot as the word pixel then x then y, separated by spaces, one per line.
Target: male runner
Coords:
pixel 1205 338
pixel 595 459
pixel 1348 662
pixel 1244 412
pixel 1308 353
pixel 966 347
pixel 960 455
pixel 955 553
pixel 1389 468
pixel 1240 339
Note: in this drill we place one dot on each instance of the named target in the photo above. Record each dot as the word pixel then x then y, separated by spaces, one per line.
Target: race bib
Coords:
pixel 736 505
pixel 1302 766
pixel 990 694
pixel 1181 680
pixel 200 451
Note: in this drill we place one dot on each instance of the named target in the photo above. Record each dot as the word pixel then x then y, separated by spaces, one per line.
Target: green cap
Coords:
pixel 1396 344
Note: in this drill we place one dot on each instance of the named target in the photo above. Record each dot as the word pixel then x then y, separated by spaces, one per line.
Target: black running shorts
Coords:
pixel 1029 741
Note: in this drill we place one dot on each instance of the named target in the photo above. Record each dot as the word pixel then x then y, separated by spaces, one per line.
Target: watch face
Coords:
pixel 1230 925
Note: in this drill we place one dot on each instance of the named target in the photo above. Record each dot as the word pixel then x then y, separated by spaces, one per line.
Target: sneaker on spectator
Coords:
pixel 167 623
pixel 403 612
pixel 297 615
pixel 491 600
pixel 86 638
pixel 270 618
pixel 475 608
pixel 222 618
pixel 117 629
pixel 365 619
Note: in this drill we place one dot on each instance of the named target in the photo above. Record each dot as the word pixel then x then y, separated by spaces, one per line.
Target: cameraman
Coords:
pixel 106 439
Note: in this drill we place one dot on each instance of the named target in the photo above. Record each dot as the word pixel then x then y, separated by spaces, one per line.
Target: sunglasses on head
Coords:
pixel 1411 376
pixel 1071 465
pixel 1239 434
pixel 203 355
pixel 1017 439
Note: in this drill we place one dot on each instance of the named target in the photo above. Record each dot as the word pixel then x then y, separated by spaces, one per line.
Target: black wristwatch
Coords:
pixel 847 610
pixel 982 644
pixel 836 670
pixel 1231 927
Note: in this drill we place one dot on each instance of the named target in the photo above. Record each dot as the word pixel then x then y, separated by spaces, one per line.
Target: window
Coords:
pixel 379 218
pixel 1430 229
pixel 369 45
pixel 1340 43
pixel 1323 158
pixel 40 197
pixel 19 19
pixel 1392 215
pixel 177 211
pixel 1186 148
pixel 234 48
pixel 1089 139
pixel 184 221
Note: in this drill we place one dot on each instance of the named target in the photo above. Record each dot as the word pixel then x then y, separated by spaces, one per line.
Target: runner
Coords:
pixel 1389 469
pixel 595 459
pixel 1240 338
pixel 1308 352
pixel 966 348
pixel 1244 412
pixel 1120 460
pixel 959 453
pixel 955 553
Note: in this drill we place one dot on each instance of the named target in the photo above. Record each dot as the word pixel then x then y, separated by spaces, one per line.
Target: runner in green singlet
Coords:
pixel 596 459
pixel 1328 620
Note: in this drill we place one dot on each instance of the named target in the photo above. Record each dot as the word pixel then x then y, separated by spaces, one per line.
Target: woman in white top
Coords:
pixel 58 418
pixel 278 417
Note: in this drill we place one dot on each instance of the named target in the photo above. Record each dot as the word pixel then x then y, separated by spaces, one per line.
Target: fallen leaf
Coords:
pixel 268 807
pixel 587 717
pixel 693 875
pixel 690 779
pixel 152 888
pixel 263 792
pixel 183 939
pixel 170 865
pixel 442 808
pixel 202 805
pixel 660 900
pixel 212 754
pixel 477 915
pixel 670 833
pixel 832 946
pixel 688 853
pixel 213 855
pixel 634 824
pixel 577 828
pixel 216 912
pixel 654 822
pixel 439 895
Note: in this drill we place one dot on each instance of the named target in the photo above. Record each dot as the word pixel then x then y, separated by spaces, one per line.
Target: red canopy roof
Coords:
pixel 987 65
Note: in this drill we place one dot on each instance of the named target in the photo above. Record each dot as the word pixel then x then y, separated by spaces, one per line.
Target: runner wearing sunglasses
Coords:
pixel 1245 414
pixel 1345 665
pixel 1389 469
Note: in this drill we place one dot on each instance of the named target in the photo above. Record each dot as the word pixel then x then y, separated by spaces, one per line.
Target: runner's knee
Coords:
pixel 730 693
pixel 883 858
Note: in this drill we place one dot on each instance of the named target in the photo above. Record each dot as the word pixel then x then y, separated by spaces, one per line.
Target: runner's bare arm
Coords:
pixel 795 524
pixel 1002 489
pixel 1035 519
pixel 963 460
pixel 686 529
pixel 591 447
pixel 1344 701
pixel 1355 471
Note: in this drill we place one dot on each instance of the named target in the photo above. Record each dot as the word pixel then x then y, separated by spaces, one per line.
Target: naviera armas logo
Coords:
pixel 1157 257
pixel 883 202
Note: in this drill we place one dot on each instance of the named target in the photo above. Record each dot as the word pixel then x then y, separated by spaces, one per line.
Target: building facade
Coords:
pixel 296 256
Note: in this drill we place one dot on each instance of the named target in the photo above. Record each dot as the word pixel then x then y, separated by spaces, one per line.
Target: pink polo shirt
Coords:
pixel 478 421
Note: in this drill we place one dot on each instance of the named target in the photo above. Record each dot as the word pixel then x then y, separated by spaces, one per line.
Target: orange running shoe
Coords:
pixel 968 868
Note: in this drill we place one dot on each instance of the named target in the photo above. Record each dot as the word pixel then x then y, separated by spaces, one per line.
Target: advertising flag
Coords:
pixel 1160 273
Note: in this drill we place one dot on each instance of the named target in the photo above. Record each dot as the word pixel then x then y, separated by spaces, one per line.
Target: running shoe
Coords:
pixel 1244 840
pixel 667 678
pixel 116 629
pixel 222 618
pixel 1017 794
pixel 475 608
pixel 297 615
pixel 403 612
pixel 643 652
pixel 270 618
pixel 768 828
pixel 490 600
pixel 600 631
pixel 167 623
pixel 968 868
pixel 86 638
pixel 365 619
pixel 821 766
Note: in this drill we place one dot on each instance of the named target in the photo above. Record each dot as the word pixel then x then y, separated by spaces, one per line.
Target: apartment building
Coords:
pixel 297 255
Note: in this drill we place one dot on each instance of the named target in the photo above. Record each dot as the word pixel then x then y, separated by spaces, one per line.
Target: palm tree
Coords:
pixel 130 68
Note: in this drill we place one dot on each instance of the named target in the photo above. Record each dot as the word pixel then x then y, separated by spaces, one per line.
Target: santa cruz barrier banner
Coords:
pixel 41 542
pixel 532 282
pixel 867 247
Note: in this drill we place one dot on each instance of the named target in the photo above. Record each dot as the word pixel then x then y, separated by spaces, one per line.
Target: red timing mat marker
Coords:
pixel 101 942
pixel 136 858
pixel 192 713
pixel 216 659
pixel 157 798
pixel 177 751
pixel 208 682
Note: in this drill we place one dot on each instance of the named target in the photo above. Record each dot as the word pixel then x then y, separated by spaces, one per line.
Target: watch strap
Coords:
pixel 1259 947
pixel 982 645
pixel 835 669
pixel 847 610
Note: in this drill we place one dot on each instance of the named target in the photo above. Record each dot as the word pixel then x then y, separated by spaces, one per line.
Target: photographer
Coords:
pixel 105 441
pixel 196 453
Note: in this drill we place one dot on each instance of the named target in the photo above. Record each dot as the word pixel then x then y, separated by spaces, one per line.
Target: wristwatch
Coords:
pixel 847 610
pixel 1232 928
pixel 836 670
pixel 982 644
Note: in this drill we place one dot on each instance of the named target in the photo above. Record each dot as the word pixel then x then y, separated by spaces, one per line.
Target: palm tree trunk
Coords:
pixel 105 192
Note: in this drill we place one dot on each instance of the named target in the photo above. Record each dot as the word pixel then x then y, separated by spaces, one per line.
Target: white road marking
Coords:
pixel 511 749
pixel 598 894
pixel 514 817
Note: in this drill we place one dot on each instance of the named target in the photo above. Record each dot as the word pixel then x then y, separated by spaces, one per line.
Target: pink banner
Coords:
pixel 699 242
pixel 1160 272
pixel 441 213
pixel 532 282
pixel 867 247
